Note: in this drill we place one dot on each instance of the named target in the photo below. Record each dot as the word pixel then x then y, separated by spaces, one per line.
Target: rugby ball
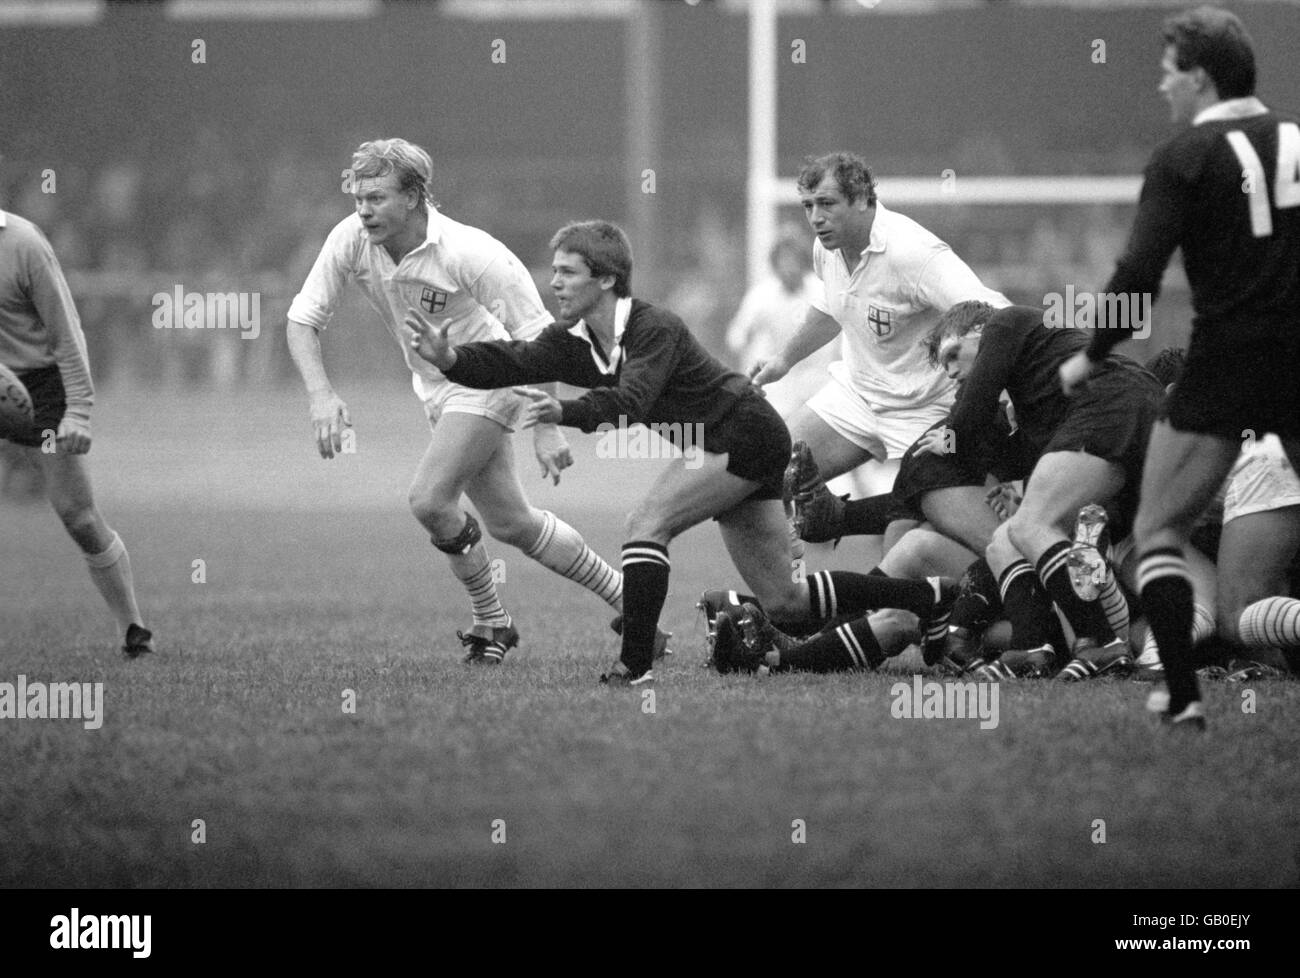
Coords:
pixel 15 402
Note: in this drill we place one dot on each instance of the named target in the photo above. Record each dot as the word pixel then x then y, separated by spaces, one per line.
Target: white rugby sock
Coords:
pixel 111 572
pixel 1115 605
pixel 559 547
pixel 473 569
pixel 1271 623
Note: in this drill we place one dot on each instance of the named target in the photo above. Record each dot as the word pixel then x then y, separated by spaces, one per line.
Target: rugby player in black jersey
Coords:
pixel 641 365
pixel 1088 449
pixel 1226 190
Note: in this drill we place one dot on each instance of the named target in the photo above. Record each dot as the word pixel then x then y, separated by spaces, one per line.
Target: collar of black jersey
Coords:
pixel 606 363
pixel 1233 108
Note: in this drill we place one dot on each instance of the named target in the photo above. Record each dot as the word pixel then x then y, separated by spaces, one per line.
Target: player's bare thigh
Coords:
pixel 924 552
pixel 1255 551
pixel 894 532
pixel 1182 472
pixel 67 485
pixel 683 496
pixel 833 453
pixel 460 446
pixel 962 513
pixel 758 540
pixel 1061 484
pixel 498 495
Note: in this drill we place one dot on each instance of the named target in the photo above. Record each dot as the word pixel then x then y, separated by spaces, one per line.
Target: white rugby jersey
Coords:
pixel 904 281
pixel 459 273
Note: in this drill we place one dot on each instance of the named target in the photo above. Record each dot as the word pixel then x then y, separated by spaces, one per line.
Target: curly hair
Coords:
pixel 852 175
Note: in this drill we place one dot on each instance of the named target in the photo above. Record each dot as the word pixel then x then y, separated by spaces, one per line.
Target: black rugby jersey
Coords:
pixel 663 377
pixel 1227 191
pixel 1020 354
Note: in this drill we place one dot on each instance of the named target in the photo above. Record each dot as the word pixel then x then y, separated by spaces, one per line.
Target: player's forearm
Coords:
pixel 503 363
pixel 57 311
pixel 74 371
pixel 817 330
pixel 304 348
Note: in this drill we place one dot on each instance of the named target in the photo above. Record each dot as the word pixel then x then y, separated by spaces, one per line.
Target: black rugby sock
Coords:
pixel 852 645
pixel 1086 618
pixel 1166 590
pixel 645 589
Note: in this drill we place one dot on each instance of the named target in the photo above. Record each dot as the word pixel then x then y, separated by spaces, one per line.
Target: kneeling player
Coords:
pixel 642 365
pixel 1089 449
pixel 42 342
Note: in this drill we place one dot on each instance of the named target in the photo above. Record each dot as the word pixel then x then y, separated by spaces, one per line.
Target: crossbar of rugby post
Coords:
pixel 767 195
pixel 988 190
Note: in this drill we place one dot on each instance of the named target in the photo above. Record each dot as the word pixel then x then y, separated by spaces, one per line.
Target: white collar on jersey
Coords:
pixel 1233 108
pixel 875 244
pixel 622 310
pixel 433 231
pixel 3 219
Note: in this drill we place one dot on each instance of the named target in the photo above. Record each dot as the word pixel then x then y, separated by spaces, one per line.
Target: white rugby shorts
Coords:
pixel 885 434
pixel 502 406
pixel 1263 481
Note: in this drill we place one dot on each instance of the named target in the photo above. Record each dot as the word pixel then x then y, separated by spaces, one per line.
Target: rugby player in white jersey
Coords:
pixel 42 342
pixel 887 280
pixel 403 254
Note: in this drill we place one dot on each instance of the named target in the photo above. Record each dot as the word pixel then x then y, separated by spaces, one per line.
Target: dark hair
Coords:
pixel 852 175
pixel 603 246
pixel 1215 40
pixel 961 319
pixel 1168 365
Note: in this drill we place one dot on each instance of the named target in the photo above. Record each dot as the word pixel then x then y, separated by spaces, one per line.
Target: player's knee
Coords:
pixel 433 512
pixel 83 524
pixel 519 529
pixel 787 603
pixel 643 523
pixel 1021 531
pixel 1001 551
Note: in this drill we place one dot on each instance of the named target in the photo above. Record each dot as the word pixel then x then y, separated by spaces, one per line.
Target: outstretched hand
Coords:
pixel 428 342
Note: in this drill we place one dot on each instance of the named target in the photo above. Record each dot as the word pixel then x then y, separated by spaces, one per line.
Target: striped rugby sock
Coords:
pixel 1166 590
pixel 835 593
pixel 1114 605
pixel 474 571
pixel 559 547
pixel 469 562
pixel 1271 623
pixel 852 645
pixel 645 589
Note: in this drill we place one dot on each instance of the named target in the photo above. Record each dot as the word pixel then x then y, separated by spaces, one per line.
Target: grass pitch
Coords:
pixel 317 581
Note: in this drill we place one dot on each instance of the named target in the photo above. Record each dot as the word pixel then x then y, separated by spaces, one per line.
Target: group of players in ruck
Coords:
pixel 1115 472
